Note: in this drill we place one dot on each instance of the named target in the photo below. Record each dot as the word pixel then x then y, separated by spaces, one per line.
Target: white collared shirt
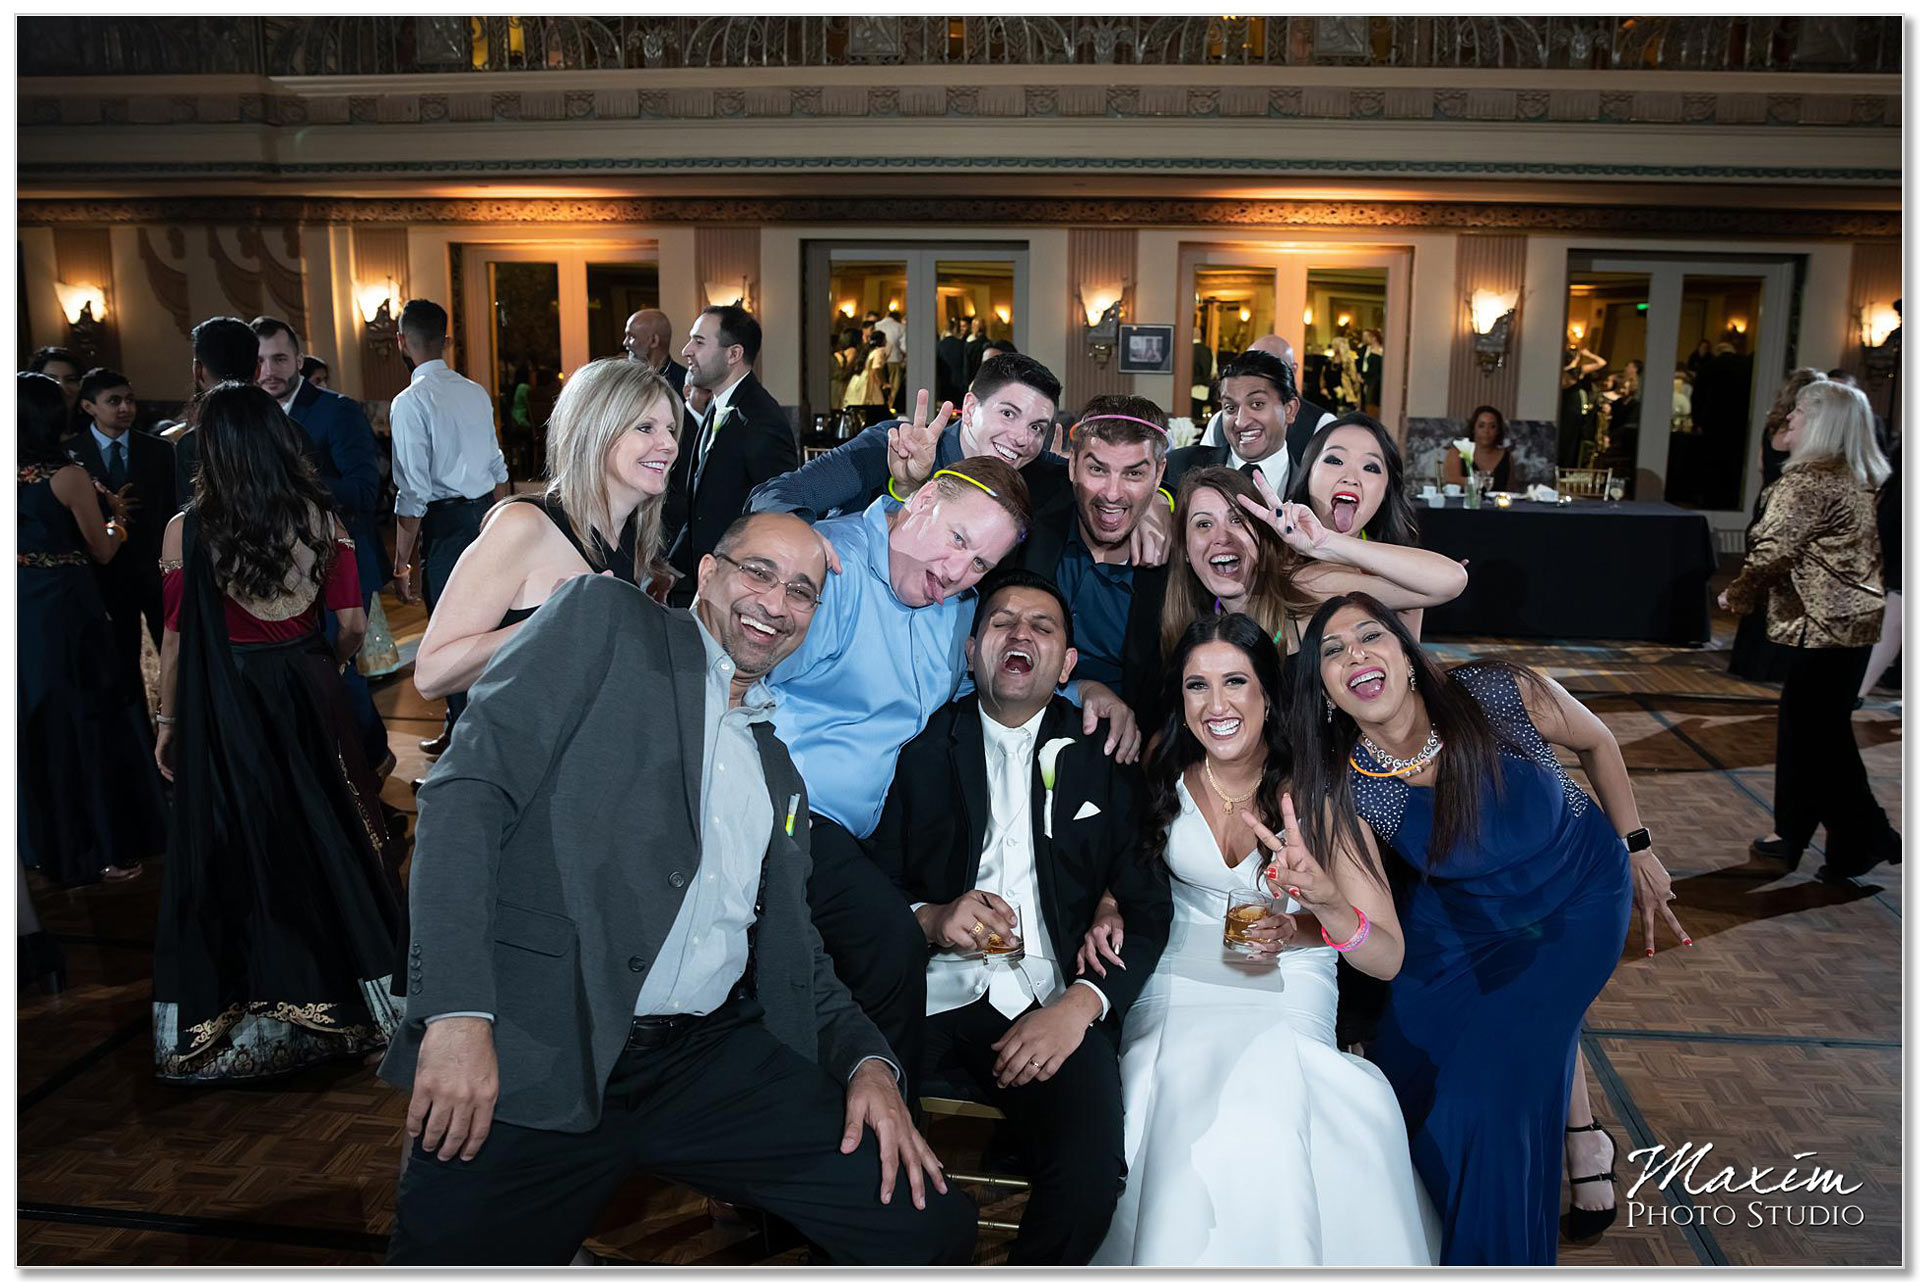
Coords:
pixel 1006 869
pixel 444 443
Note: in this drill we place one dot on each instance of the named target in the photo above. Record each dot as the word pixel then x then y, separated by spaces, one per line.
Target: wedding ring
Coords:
pixel 976 929
pixel 1033 1063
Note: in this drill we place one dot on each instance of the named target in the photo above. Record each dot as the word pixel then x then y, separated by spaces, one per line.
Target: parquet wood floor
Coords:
pixel 1778 1032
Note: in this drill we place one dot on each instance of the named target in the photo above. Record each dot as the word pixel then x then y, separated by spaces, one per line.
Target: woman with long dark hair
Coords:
pixel 91 807
pixel 1492 457
pixel 1247 552
pixel 1227 1065
pixel 278 914
pixel 1513 919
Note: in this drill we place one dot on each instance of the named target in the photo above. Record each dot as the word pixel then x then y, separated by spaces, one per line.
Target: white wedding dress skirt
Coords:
pixel 1250 1139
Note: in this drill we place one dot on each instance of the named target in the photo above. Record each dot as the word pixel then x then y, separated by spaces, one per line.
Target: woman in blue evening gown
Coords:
pixel 1515 917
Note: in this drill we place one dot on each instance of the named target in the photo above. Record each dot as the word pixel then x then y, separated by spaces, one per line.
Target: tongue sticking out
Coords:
pixel 1344 510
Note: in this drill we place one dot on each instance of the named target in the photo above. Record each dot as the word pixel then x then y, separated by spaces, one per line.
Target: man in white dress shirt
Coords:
pixel 1003 805
pixel 447 467
pixel 1264 421
pixel 1309 420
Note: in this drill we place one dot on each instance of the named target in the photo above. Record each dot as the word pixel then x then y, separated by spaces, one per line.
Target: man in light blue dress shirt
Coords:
pixel 886 649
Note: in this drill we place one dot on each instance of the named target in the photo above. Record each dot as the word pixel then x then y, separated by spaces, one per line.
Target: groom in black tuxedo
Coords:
pixel 1003 804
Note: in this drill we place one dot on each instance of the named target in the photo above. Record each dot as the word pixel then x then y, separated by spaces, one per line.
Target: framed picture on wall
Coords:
pixel 1146 349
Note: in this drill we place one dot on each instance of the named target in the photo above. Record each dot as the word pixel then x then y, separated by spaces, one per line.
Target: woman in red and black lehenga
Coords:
pixel 279 911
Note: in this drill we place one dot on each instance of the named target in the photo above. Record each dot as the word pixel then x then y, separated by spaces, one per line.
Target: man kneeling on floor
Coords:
pixel 613 968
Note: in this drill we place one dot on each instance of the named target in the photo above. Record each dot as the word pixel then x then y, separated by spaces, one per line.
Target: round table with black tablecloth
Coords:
pixel 1587 569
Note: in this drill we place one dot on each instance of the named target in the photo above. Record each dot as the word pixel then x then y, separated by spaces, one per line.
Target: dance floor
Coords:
pixel 1776 1034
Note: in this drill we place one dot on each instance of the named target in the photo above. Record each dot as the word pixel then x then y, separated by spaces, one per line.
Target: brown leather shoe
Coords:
pixel 434 747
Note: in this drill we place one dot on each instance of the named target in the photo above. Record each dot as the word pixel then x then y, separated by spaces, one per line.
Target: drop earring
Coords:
pixel 1410 684
pixel 1329 705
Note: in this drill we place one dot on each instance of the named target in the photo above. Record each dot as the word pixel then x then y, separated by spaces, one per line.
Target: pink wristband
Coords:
pixel 1359 936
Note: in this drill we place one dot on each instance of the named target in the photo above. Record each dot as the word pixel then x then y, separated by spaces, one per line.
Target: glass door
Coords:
pixel 616 291
pixel 1602 371
pixel 1343 356
pixel 524 298
pixel 934 308
pixel 1696 350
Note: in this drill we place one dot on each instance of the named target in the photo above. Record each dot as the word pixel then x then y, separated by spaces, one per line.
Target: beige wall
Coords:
pixel 154 349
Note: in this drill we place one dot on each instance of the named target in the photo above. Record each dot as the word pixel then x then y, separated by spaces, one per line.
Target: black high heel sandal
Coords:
pixel 1580 1226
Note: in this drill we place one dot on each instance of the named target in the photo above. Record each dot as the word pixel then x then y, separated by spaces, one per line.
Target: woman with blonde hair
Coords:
pixel 1814 559
pixel 611 443
pixel 1753 656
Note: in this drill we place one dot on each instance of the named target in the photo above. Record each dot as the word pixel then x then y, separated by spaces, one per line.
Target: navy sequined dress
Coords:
pixel 1506 945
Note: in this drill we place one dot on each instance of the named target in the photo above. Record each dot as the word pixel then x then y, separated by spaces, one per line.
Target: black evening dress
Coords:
pixel 89 794
pixel 278 917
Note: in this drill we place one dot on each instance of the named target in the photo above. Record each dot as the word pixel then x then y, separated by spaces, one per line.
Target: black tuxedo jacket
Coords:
pixel 754 444
pixel 1184 460
pixel 940 809
pixel 150 469
pixel 1046 544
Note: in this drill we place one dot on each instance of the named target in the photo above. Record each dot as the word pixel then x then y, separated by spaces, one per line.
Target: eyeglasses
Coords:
pixel 800 594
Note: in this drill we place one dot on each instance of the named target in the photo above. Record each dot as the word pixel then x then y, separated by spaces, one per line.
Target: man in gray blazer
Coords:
pixel 613 967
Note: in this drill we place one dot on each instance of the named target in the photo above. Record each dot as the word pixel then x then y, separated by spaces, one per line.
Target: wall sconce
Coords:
pixel 893 304
pixel 1880 339
pixel 1306 317
pixel 846 308
pixel 376 311
pixel 1245 315
pixel 1345 319
pixel 1102 330
pixel 1003 313
pixel 1737 325
pixel 725 293
pixel 1576 331
pixel 1491 316
pixel 85 307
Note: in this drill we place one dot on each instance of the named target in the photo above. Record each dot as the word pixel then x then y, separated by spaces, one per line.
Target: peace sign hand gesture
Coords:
pixel 913 447
pixel 1295 523
pixel 1294 871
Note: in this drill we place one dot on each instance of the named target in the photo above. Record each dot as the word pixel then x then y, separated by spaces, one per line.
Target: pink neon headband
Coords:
pixel 1126 418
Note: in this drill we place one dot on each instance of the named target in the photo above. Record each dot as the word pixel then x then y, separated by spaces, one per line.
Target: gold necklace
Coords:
pixel 1228 799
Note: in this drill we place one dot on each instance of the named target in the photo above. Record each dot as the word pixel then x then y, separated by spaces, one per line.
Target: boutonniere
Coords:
pixel 721 421
pixel 1049 755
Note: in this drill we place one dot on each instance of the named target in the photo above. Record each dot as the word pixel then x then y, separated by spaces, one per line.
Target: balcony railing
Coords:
pixel 373 46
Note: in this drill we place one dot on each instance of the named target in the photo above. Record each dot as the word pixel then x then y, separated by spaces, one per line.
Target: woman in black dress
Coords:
pixel 91 805
pixel 278 915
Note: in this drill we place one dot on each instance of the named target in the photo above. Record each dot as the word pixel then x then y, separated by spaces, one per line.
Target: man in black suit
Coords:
pixel 225 350
pixel 1084 542
pixel 1264 420
pixel 1002 803
pixel 741 439
pixel 139 467
pixel 649 338
pixel 950 364
pixel 340 443
pixel 1309 420
pixel 613 967
pixel 976 347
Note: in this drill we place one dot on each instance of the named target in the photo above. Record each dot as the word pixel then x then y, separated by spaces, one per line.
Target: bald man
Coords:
pixel 649 338
pixel 1308 421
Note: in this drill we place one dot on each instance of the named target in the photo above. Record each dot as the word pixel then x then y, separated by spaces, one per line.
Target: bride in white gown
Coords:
pixel 1250 1138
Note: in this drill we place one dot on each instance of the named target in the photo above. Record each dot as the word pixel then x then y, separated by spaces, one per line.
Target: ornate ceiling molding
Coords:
pixel 1014 211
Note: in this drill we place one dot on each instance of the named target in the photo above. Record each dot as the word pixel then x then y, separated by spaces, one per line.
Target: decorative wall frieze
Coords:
pixel 1459 215
pixel 460 106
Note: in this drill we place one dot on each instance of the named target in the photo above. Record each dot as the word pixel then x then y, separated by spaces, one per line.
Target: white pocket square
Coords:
pixel 1087 810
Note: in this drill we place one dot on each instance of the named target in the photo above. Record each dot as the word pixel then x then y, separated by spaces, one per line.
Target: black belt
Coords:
pixel 650 1032
pixel 447 503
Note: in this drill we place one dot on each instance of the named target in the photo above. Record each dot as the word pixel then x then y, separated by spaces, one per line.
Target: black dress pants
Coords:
pixel 446 531
pixel 1069 1128
pixel 1818 775
pixel 726 1109
pixel 878 949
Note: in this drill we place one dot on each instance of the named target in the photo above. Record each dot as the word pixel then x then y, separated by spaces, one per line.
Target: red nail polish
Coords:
pixel 1649 952
pixel 1687 942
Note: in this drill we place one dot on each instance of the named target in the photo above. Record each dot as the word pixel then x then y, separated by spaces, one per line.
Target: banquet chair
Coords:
pixel 956 1096
pixel 1583 482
